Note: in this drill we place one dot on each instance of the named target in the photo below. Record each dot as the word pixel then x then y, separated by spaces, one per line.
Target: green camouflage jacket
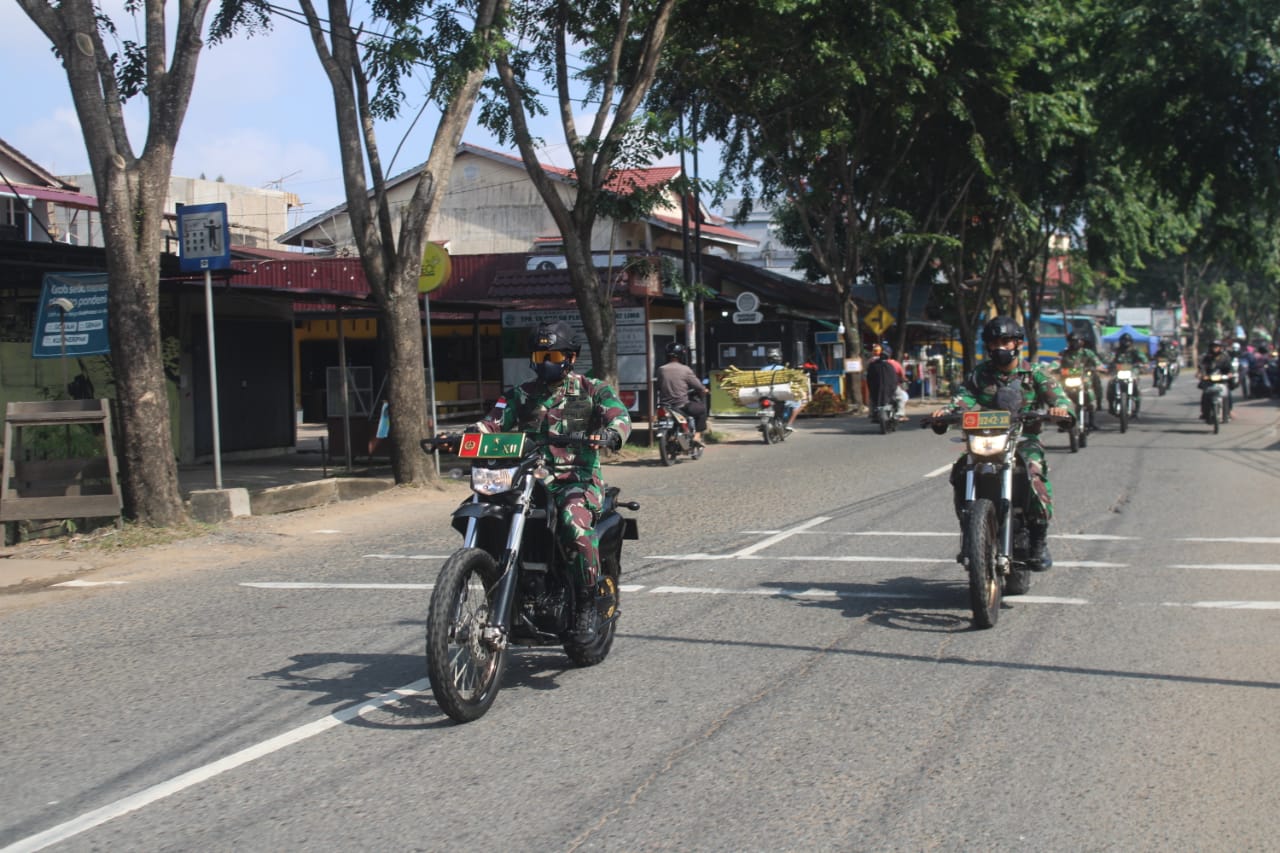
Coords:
pixel 1132 356
pixel 1079 359
pixel 1167 353
pixel 1039 388
pixel 578 404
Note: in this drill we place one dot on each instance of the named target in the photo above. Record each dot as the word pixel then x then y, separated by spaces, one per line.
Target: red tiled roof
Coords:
pixel 710 230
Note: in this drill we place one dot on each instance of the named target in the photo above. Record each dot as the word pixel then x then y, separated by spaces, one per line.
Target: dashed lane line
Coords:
pixel 1230 567
pixel 1227 605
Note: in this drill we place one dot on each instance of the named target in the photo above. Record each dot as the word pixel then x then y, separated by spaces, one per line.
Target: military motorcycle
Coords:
pixel 509 583
pixel 1162 376
pixel 1121 394
pixel 1075 383
pixel 993 488
pixel 673 432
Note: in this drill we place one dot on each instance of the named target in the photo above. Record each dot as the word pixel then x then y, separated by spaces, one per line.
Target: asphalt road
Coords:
pixel 795 670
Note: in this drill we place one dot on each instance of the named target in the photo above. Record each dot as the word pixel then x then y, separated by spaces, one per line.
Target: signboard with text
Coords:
pixel 72 316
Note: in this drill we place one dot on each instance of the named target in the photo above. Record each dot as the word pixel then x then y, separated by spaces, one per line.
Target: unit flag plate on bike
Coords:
pixel 493 445
pixel 997 419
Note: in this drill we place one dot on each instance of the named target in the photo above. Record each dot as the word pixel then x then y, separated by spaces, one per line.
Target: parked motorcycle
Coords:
pixel 1162 376
pixel 995 544
pixel 509 583
pixel 1120 394
pixel 1075 383
pixel 1217 386
pixel 673 431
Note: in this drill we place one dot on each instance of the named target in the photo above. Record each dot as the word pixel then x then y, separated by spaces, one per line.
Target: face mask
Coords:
pixel 1003 357
pixel 551 372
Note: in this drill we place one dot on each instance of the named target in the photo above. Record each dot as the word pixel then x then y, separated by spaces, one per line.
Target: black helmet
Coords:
pixel 1073 339
pixel 1001 327
pixel 774 355
pixel 1215 344
pixel 676 350
pixel 1126 339
pixel 558 335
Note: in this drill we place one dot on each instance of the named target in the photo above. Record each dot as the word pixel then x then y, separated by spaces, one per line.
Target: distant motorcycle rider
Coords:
pixel 680 388
pixel 885 378
pixel 774 356
pixel 1079 357
pixel 1127 355
pixel 562 402
pixel 1216 360
pixel 1168 352
pixel 1002 337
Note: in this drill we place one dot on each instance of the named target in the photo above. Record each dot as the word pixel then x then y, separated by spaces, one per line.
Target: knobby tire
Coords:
pixel 985 591
pixel 465 674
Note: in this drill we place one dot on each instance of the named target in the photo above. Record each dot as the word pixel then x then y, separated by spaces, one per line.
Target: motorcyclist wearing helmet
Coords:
pixel 774 356
pixel 679 388
pixel 1002 337
pixel 1079 357
pixel 1127 355
pixel 885 378
pixel 561 402
pixel 1216 360
pixel 1168 353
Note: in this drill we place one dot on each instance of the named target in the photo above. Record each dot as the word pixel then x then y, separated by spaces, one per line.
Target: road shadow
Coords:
pixel 903 603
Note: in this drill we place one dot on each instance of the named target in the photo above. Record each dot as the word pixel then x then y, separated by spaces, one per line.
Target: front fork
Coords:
pixel 496 631
pixel 1002 511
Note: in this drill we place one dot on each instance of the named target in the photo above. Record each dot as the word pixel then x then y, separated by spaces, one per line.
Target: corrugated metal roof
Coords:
pixel 66 198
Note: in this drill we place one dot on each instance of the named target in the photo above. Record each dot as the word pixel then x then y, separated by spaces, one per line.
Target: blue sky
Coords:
pixel 261 114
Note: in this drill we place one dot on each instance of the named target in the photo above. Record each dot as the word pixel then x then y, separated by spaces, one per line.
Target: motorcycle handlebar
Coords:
pixel 448 442
pixel 940 424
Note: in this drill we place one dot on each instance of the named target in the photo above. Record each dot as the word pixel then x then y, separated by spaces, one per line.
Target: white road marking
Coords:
pixel 779 536
pixel 937 471
pixel 850 558
pixel 91 583
pixel 308 585
pixel 858 533
pixel 776 593
pixel 181 782
pixel 1228 605
pixel 1246 540
pixel 1228 567
pixel 327 531
pixel 1095 537
pixel 1088 564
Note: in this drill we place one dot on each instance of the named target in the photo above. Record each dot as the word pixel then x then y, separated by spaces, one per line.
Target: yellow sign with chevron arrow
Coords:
pixel 877 320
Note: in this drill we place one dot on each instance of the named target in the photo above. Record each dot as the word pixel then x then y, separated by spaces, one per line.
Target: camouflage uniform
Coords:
pixel 1039 389
pixel 1086 360
pixel 577 404
pixel 1131 357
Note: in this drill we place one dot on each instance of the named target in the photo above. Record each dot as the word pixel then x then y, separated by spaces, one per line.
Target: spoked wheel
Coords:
pixel 591 654
pixel 1124 411
pixel 465 673
pixel 1074 434
pixel 980 553
pixel 664 450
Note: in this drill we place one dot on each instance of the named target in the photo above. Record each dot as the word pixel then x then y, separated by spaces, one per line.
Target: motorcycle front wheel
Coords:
pixel 465 673
pixel 985 591
pixel 1074 434
pixel 1215 416
pixel 1124 412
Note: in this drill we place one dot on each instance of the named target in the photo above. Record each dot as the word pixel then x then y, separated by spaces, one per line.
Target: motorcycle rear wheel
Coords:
pixel 590 654
pixel 465 674
pixel 664 450
pixel 985 584
pixel 770 434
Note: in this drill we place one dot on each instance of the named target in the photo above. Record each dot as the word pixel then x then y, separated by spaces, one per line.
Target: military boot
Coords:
pixel 1038 557
pixel 587 623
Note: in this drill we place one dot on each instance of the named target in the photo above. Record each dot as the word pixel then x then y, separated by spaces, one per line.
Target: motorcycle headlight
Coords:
pixel 988 445
pixel 1124 374
pixel 1072 381
pixel 492 481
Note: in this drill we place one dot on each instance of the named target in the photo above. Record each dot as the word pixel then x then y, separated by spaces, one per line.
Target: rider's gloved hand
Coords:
pixel 610 438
